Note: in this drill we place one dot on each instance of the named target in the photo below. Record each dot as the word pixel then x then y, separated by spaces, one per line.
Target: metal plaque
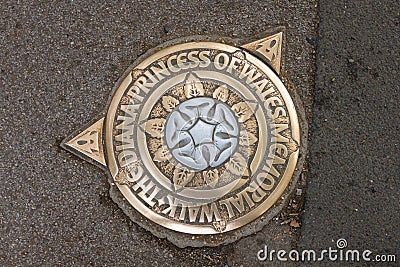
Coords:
pixel 201 138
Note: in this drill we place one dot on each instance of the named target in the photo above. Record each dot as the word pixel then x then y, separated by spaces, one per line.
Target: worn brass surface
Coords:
pixel 89 142
pixel 200 137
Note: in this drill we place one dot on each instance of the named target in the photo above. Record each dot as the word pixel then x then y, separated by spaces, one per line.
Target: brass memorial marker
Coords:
pixel 200 137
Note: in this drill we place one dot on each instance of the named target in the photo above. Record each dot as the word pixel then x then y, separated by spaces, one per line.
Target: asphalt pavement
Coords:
pixel 353 182
pixel 59 62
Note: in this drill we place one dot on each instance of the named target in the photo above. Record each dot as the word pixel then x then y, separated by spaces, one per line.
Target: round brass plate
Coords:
pixel 202 137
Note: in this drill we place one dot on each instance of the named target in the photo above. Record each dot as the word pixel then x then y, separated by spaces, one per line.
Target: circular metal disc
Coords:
pixel 202 138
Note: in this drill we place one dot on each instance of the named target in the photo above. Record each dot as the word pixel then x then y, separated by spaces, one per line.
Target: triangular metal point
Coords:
pixel 89 142
pixel 269 48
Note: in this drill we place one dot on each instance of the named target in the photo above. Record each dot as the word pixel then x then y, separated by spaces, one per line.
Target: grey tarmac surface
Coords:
pixel 353 184
pixel 59 62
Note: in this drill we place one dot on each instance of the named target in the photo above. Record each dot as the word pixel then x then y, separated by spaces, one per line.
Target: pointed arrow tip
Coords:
pixel 88 143
pixel 270 48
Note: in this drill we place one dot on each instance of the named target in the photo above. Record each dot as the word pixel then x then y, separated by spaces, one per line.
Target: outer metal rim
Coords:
pixel 200 229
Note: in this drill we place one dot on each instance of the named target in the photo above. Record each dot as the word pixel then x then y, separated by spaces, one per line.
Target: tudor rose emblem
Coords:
pixel 201 138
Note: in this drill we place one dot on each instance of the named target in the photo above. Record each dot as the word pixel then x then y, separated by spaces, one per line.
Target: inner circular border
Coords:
pixel 179 226
pixel 164 87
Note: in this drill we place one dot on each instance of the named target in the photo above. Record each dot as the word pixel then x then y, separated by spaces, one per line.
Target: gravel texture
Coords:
pixel 59 62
